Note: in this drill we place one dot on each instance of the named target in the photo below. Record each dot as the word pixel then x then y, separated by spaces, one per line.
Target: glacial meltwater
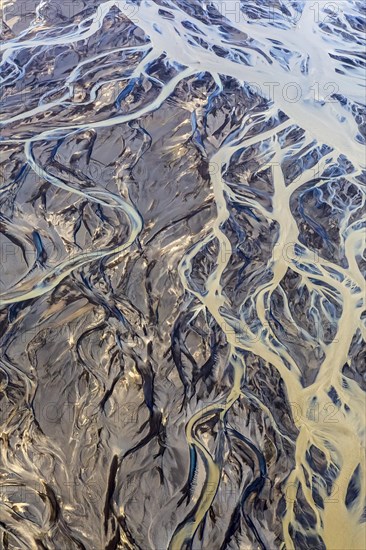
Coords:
pixel 182 292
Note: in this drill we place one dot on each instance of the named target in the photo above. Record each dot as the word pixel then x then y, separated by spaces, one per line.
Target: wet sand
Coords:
pixel 182 275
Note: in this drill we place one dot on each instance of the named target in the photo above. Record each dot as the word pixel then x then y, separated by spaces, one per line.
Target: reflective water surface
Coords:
pixel 182 275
